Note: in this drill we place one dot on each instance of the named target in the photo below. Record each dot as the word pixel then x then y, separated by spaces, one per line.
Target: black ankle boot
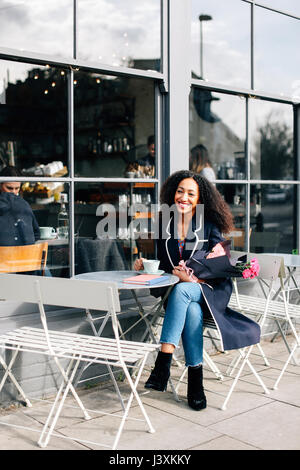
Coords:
pixel 195 394
pixel 159 376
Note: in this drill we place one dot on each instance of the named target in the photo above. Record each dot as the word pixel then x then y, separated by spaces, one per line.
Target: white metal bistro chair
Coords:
pixel 73 347
pixel 263 308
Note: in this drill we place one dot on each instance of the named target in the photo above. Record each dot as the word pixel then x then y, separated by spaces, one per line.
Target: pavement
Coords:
pixel 253 419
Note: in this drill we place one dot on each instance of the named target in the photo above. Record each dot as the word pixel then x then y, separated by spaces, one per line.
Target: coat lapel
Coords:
pixel 193 242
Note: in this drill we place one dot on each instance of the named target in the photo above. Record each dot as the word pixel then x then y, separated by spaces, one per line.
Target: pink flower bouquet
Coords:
pixel 217 264
pixel 249 270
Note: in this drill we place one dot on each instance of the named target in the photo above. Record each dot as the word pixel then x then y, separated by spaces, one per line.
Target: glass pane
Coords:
pixel 114 126
pixel 112 224
pixel 276 232
pixel 38 213
pixel 221 41
pixel 33 114
pixel 235 196
pixel 217 134
pixel 288 6
pixel 275 67
pixel 120 33
pixel 271 143
pixel 43 27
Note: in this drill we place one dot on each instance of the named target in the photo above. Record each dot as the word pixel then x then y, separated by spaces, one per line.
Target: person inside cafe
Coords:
pixel 200 162
pixel 18 223
pixel 192 298
pixel 147 163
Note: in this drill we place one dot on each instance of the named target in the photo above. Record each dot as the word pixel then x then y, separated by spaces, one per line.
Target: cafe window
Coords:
pixel 217 134
pixel 34 119
pixel 276 69
pixel 49 203
pixel 113 224
pixel 271 142
pixel 220 38
pixel 120 34
pixel 39 27
pixel 289 6
pixel 236 196
pixel 114 126
pixel 276 232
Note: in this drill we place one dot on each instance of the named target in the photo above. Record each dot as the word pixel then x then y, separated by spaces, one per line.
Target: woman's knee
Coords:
pixel 194 313
pixel 185 289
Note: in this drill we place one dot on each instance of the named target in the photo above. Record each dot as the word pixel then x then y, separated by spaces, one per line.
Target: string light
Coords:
pixel 46 92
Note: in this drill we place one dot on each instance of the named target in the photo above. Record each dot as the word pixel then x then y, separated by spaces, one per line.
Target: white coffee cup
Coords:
pixel 151 265
pixel 47 233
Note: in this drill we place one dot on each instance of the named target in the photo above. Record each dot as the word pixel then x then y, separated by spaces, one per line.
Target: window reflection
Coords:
pixel 36 214
pixel 275 67
pixel 288 6
pixel 271 145
pixel 235 196
pixel 217 134
pixel 114 126
pixel 38 26
pixel 113 224
pixel 33 131
pixel 277 231
pixel 120 33
pixel 221 44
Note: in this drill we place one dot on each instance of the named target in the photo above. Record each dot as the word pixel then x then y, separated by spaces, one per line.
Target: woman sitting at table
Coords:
pixel 180 238
pixel 18 223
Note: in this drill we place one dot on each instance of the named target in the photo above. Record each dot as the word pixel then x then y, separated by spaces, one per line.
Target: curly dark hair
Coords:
pixel 216 209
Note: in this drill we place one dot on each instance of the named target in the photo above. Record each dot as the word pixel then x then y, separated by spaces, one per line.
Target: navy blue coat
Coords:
pixel 18 225
pixel 235 330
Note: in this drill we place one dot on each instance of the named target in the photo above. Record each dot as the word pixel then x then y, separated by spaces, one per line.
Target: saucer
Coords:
pixel 159 271
pixel 48 238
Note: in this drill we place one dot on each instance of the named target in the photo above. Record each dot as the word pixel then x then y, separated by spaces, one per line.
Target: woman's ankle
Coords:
pixel 167 348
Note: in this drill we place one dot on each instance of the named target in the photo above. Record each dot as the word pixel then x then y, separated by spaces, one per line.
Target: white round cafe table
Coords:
pixel 118 277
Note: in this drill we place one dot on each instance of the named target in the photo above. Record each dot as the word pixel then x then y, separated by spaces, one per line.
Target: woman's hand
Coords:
pixel 138 264
pixel 181 273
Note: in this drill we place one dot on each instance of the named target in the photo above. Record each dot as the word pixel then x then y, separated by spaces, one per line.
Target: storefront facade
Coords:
pixel 102 100
pixel 82 94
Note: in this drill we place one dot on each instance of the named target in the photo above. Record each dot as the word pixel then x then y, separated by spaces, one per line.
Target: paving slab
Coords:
pixel 224 443
pixel 273 426
pixel 172 432
pixel 21 432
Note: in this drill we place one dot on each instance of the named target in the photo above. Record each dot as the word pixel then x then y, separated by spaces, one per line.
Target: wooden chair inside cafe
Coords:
pixel 25 258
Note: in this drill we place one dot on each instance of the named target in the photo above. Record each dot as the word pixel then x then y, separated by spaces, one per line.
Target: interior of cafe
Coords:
pixel 113 138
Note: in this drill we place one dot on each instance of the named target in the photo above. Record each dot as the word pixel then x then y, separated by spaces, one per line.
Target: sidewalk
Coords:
pixel 252 421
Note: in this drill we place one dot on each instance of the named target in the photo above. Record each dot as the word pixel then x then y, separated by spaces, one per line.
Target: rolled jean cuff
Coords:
pixel 194 365
pixel 168 342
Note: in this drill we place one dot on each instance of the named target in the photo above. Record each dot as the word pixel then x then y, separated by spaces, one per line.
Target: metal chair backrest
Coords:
pixel 16 259
pixel 271 266
pixel 62 292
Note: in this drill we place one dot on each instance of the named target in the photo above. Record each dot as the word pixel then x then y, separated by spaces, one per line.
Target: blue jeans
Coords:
pixel 184 318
